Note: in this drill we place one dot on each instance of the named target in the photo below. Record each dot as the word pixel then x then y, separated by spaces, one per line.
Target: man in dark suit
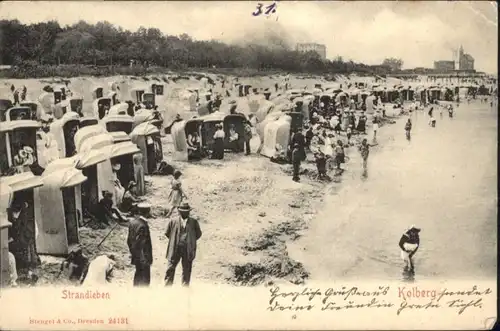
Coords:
pixel 139 243
pixel 182 234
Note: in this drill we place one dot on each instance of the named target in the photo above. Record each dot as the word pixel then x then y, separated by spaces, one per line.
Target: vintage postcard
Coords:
pixel 248 165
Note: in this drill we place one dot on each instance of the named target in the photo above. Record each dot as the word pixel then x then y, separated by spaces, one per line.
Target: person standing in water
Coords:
pixel 375 126
pixel 408 126
pixel 409 244
pixel 364 149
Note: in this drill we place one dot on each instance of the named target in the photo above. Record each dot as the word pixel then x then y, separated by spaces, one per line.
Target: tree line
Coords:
pixel 104 44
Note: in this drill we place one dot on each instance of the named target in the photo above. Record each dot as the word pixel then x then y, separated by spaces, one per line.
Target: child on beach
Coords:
pixel 349 134
pixel 320 159
pixel 408 126
pixel 364 149
pixel 432 121
pixel 339 155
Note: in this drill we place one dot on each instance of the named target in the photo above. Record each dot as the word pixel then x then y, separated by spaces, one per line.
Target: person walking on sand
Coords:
pixel 16 97
pixel 296 160
pixel 139 244
pixel 339 155
pixel 364 149
pixel 409 244
pixel 24 91
pixel 182 232
pixel 408 126
pixel 176 194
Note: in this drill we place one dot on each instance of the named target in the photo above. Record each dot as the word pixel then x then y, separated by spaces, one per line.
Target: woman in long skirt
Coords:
pixel 140 188
pixel 218 149
pixel 176 194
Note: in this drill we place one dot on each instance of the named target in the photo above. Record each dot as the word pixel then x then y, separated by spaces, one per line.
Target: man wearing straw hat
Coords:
pixel 182 233
pixel 139 243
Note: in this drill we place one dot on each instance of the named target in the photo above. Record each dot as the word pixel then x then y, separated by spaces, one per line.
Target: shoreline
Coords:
pixel 267 214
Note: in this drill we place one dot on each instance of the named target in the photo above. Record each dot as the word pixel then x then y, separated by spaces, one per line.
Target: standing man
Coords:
pixel 248 137
pixel 182 233
pixel 139 244
pixel 299 140
pixel 296 160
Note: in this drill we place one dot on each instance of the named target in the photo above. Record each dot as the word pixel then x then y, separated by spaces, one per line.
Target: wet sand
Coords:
pixel 443 180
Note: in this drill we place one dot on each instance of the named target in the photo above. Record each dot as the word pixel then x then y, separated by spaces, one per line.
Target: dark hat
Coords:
pixel 413 228
pixel 184 207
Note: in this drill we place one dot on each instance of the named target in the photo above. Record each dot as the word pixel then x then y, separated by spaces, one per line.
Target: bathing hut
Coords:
pixel 97 92
pixel 147 137
pixel 136 95
pixel 148 100
pixel 180 131
pixel 5 200
pixel 123 153
pixel 18 147
pixel 20 113
pixel 23 228
pixel 58 224
pixel 64 130
pixel 101 107
pixel 276 132
pixel 5 104
pixel 118 119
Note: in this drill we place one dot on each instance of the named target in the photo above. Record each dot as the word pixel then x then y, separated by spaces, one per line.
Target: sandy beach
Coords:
pixel 259 227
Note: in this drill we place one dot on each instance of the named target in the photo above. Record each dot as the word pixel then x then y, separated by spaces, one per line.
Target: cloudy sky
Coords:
pixel 417 32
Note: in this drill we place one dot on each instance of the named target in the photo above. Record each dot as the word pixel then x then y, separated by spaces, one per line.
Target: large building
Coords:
pixel 308 47
pixel 463 61
pixel 444 65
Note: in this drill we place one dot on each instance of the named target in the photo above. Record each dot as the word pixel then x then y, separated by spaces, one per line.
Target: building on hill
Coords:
pixel 308 47
pixel 444 65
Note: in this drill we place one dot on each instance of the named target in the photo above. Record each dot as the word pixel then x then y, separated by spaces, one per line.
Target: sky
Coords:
pixel 418 32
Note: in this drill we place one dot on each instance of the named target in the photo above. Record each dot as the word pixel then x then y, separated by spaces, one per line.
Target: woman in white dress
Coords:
pixel 118 188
